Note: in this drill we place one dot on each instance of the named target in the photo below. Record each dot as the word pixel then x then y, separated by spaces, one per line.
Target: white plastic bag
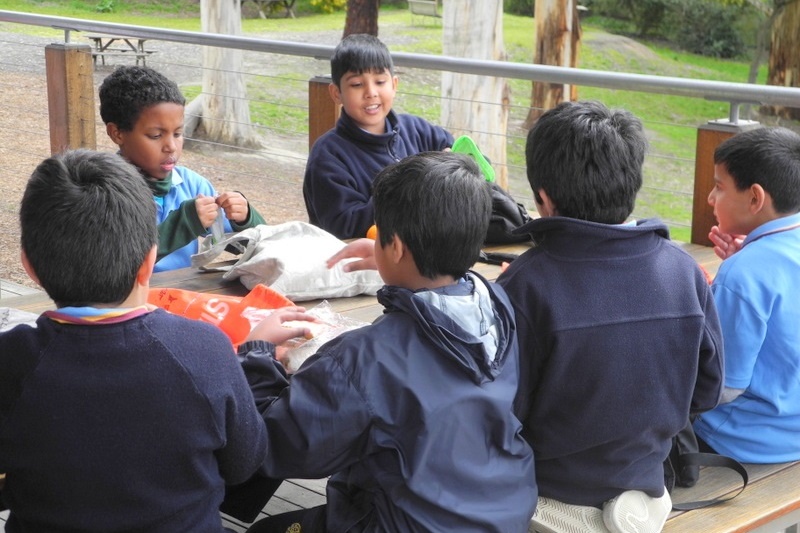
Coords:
pixel 290 258
pixel 294 352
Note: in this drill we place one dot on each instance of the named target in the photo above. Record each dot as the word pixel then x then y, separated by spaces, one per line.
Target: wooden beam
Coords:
pixel 322 110
pixel 70 96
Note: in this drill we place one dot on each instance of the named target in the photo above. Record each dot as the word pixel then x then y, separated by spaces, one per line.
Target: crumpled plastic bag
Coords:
pixel 10 318
pixel 294 352
pixel 290 258
pixel 235 316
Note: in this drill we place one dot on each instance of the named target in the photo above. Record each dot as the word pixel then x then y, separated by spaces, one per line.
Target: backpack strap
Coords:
pixel 714 460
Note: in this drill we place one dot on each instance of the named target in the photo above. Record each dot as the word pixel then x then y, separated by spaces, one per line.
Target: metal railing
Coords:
pixel 734 94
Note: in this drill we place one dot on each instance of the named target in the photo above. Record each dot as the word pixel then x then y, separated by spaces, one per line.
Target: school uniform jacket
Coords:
pixel 129 426
pixel 411 416
pixel 337 187
pixel 619 342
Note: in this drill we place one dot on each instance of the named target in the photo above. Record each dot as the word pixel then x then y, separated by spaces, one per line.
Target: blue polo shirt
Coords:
pixel 757 292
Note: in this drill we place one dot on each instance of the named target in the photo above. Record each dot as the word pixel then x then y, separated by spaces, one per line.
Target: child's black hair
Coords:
pixel 588 159
pixel 87 222
pixel 359 53
pixel 127 91
pixel 439 205
pixel 769 157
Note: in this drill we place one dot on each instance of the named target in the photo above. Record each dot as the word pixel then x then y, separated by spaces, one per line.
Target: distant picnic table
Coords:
pixel 104 45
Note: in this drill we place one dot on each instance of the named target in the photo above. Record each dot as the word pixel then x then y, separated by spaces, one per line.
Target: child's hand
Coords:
pixel 271 328
pixel 206 210
pixel 235 206
pixel 725 244
pixel 361 248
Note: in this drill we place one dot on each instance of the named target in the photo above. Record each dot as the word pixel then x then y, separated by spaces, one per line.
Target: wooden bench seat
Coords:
pixel 424 8
pixel 769 504
pixel 265 6
pixel 122 52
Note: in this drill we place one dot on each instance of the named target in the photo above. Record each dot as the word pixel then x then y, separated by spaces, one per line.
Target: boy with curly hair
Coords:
pixel 143 112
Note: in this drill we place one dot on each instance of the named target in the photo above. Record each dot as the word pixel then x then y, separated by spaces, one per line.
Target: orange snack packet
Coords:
pixel 232 314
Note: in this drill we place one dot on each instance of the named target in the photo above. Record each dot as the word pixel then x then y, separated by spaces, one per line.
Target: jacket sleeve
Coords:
pixel 180 228
pixel 245 435
pixel 254 218
pixel 710 370
pixel 317 426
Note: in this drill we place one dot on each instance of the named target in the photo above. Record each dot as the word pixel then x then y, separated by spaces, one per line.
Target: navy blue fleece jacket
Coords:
pixel 337 186
pixel 619 341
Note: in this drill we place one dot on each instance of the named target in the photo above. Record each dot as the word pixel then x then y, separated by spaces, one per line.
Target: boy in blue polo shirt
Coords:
pixel 757 290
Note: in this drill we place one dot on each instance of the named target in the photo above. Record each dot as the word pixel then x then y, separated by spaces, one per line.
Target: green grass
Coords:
pixel 671 121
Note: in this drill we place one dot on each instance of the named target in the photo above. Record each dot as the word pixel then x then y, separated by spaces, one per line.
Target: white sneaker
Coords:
pixel 553 516
pixel 633 511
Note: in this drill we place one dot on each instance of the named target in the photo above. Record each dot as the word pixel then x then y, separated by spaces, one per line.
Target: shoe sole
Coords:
pixel 636 512
pixel 553 516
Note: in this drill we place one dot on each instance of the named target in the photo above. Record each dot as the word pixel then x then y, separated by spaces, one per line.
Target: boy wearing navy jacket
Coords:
pixel 619 336
pixel 113 417
pixel 368 136
pixel 410 416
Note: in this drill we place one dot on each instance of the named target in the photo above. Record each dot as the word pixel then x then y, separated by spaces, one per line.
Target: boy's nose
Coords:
pixel 711 198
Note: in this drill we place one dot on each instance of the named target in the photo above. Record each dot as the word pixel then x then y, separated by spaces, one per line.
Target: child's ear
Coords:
pixel 336 94
pixel 395 250
pixel 759 199
pixel 395 82
pixel 146 269
pixel 26 264
pixel 544 205
pixel 114 133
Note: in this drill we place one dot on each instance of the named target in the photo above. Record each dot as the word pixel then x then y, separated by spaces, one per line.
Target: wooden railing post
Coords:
pixel 70 96
pixel 709 136
pixel 322 111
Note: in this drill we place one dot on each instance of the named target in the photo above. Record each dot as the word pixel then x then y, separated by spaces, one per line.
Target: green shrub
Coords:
pixel 705 27
pixel 518 7
pixel 105 6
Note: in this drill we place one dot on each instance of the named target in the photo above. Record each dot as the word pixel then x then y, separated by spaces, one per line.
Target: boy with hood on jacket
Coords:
pixel 411 416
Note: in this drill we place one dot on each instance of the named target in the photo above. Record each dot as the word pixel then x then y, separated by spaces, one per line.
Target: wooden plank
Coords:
pixel 768 499
pixel 720 482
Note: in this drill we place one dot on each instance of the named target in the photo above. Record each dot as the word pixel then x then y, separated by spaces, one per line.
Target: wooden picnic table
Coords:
pixel 770 503
pixel 104 45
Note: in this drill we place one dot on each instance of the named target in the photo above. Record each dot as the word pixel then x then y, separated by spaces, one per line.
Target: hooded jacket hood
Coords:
pixel 467 321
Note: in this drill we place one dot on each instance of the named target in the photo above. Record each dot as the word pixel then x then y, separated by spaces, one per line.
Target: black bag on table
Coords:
pixel 507 215
pixel 682 468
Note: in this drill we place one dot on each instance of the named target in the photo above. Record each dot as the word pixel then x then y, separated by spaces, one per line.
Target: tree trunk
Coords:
pixel 558 40
pixel 362 17
pixel 476 105
pixel 784 58
pixel 223 108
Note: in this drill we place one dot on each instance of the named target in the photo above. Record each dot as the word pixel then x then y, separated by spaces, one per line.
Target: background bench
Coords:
pixel 424 8
pixel 268 6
